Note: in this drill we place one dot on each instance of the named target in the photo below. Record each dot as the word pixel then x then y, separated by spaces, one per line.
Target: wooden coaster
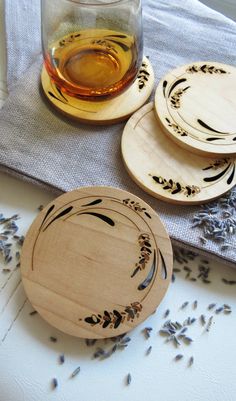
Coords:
pixel 103 112
pixel 165 170
pixel 196 105
pixel 96 262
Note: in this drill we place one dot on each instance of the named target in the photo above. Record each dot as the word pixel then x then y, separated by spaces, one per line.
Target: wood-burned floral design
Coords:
pixel 104 43
pixel 145 253
pixel 206 69
pixel 176 128
pixel 143 76
pixel 69 39
pixel 217 164
pixel 136 207
pixel 176 188
pixel 113 319
pixel 176 97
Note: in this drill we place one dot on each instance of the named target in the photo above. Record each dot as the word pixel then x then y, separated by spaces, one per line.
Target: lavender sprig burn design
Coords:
pixel 115 318
pixel 145 253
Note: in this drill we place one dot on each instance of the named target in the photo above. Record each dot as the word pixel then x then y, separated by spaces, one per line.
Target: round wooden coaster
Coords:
pixel 103 112
pixel 165 170
pixel 96 262
pixel 196 105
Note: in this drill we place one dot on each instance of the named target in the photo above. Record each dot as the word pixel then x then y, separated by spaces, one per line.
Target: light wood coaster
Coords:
pixel 196 105
pixel 103 112
pixel 167 171
pixel 96 262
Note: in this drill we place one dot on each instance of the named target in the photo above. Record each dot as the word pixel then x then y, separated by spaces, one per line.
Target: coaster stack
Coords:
pixel 182 149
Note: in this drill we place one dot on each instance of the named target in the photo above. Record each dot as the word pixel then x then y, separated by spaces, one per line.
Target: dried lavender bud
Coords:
pixel 166 314
pixel 203 319
pixel 178 357
pixel 128 379
pixel 219 309
pixel 53 339
pixel 191 361
pixel 211 306
pixel 147 332
pixel 188 340
pixel 90 342
pixel 76 372
pixel 149 350
pixel 184 305
pixel 34 312
pixel 62 359
pixel 54 383
pixel 195 304
pixel 209 324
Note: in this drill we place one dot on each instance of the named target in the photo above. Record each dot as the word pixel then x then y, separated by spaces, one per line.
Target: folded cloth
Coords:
pixel 38 144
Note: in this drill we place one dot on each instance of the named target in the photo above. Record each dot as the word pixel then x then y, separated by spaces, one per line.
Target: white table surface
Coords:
pixel 29 361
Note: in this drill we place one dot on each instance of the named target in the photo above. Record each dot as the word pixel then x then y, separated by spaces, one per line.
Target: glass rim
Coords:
pixel 84 3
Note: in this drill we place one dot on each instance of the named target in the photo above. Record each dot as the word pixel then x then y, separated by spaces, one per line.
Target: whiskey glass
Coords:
pixel 92 49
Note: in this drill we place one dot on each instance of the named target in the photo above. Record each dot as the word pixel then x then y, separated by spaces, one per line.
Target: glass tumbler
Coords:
pixel 92 49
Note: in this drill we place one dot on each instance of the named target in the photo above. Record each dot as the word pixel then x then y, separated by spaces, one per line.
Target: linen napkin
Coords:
pixel 38 144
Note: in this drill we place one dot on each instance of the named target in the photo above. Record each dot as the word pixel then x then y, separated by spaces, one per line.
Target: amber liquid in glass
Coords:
pixel 93 64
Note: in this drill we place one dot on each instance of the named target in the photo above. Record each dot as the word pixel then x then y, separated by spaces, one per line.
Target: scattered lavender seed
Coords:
pixel 227 311
pixel 53 339
pixel 18 265
pixel 211 306
pixel 76 372
pixel 188 340
pixel 17 255
pixel 195 304
pixel 149 350
pixel 193 320
pixel 175 270
pixel 184 305
pixel 6 270
pixel 34 312
pixel 203 319
pixel 147 332
pixel 165 331
pixel 229 282
pixel 184 330
pixel 166 314
pixel 193 279
pixel 209 324
pixel 54 383
pixel 191 361
pixel 219 310
pixel 62 359
pixel 173 278
pixel 178 357
pixel 100 352
pixel 226 306
pixel 90 342
pixel 187 269
pixel 128 379
pixel 206 281
pixel 125 340
pixel 40 208
pixel 176 341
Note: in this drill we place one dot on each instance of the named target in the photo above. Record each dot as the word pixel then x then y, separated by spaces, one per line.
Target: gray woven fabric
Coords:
pixel 37 143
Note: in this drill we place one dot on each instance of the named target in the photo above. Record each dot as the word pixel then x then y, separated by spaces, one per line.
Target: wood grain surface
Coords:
pixel 96 262
pixel 167 171
pixel 196 105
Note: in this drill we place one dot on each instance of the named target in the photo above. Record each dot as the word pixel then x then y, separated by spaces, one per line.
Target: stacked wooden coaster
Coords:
pixel 182 149
pixel 102 112
pixel 96 262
